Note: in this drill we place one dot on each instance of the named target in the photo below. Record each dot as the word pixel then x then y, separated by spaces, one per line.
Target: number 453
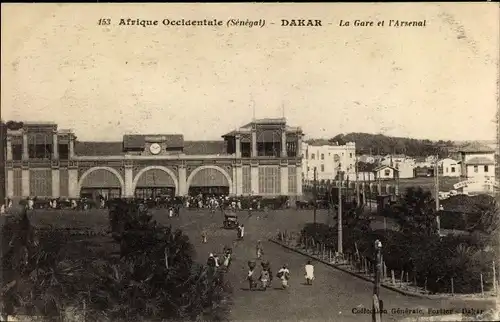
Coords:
pixel 104 22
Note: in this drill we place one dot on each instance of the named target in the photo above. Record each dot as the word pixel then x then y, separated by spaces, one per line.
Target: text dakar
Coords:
pixel 301 23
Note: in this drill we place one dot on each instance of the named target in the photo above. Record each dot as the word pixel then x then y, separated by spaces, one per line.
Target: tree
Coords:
pixel 415 212
pixel 156 276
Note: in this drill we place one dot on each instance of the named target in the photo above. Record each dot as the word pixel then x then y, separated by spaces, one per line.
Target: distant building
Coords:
pixel 363 176
pixel 397 158
pixel 385 172
pixel 402 163
pixel 328 159
pixel 367 158
pixel 477 160
pixel 477 167
pixel 431 159
pixel 449 168
pixel 405 170
pixel 423 171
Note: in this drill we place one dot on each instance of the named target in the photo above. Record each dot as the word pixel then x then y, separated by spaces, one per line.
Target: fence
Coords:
pixel 365 266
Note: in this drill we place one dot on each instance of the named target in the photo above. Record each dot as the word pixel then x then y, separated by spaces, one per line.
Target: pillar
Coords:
pixel 254 175
pixel 298 172
pixel 299 145
pixel 25 146
pixel 9 149
pixel 73 191
pixel 183 189
pixel 238 145
pixel 379 188
pixel 56 188
pixel 10 183
pixel 233 188
pixel 254 144
pixel 129 181
pixel 25 182
pixel 284 179
pixel 239 180
pixel 55 146
pixel 71 147
pixel 283 144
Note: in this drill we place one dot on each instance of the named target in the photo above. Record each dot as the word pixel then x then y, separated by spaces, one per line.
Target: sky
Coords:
pixel 434 82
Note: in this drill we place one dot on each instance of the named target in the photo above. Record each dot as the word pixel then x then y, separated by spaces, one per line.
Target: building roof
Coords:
pixel 204 147
pixel 264 121
pixel 480 161
pixel 99 148
pixel 475 147
pixel 383 166
pixel 116 148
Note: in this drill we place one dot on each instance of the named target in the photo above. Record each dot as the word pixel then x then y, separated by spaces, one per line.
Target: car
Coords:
pixel 230 221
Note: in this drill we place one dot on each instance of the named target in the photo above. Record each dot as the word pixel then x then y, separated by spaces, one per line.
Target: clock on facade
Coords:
pixel 154 148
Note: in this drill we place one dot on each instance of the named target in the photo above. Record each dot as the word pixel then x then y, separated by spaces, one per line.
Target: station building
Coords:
pixel 261 158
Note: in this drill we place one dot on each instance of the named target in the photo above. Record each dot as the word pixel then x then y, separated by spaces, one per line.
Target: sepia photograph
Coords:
pixel 250 162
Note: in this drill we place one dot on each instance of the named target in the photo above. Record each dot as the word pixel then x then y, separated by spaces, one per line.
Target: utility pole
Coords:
pixel 315 193
pixel 357 182
pixel 436 175
pixel 377 303
pixel 339 217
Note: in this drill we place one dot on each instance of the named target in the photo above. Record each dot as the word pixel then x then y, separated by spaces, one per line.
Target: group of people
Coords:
pixel 213 260
pixel 266 275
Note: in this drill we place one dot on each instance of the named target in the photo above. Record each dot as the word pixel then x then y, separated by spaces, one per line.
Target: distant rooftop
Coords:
pixel 475 147
pixel 480 161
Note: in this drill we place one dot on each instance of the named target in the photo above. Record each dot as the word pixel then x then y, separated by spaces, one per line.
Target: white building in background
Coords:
pixel 449 168
pixel 405 165
pixel 477 161
pixel 477 167
pixel 327 159
pixel 385 172
pixel 363 176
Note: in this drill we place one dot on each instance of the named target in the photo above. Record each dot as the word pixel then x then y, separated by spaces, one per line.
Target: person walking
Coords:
pixel 309 268
pixel 284 275
pixel 259 250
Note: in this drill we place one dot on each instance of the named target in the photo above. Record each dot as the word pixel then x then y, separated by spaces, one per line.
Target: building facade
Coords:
pixel 328 160
pixel 449 168
pixel 405 165
pixel 477 161
pixel 385 172
pixel 477 168
pixel 260 158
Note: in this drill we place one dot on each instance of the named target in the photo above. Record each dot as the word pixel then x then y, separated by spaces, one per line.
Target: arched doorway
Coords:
pixel 101 182
pixel 155 181
pixel 211 180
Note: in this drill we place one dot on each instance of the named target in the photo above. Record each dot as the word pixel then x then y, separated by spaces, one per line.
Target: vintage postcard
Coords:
pixel 250 162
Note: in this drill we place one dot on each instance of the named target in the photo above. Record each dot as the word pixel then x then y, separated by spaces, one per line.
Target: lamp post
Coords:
pixel 315 194
pixel 339 216
pixel 377 303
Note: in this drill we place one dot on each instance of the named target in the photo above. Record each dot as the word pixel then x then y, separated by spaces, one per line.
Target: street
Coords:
pixel 334 294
